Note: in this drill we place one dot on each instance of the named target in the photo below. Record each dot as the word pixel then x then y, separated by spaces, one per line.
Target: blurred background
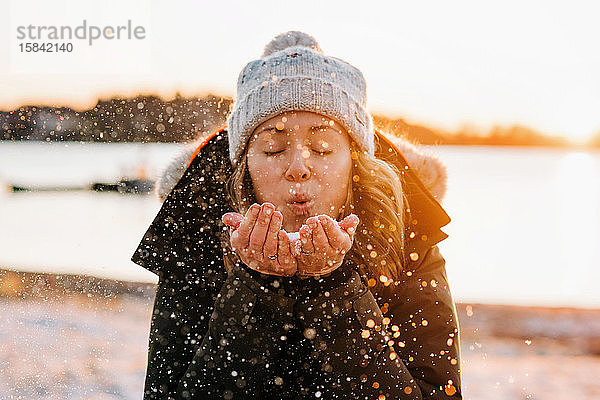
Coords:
pixel 506 94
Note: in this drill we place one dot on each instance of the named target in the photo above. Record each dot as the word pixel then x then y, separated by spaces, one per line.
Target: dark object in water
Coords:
pixel 16 188
pixel 105 187
pixel 135 186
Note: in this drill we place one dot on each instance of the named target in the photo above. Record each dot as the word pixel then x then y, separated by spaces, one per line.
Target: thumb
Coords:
pixel 232 219
pixel 295 246
pixel 350 223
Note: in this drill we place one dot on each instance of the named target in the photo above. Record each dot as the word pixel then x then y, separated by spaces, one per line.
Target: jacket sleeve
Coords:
pixel 363 351
pixel 425 325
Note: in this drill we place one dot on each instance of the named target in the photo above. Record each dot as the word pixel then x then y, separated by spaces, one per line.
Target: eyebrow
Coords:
pixel 316 126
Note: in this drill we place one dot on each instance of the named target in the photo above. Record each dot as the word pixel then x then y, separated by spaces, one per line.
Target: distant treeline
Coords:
pixel 515 135
pixel 139 119
pixel 152 119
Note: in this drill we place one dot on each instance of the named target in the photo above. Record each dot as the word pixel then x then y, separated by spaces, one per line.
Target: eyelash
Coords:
pixel 321 153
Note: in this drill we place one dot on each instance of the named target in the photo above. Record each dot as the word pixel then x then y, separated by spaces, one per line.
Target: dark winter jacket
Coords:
pixel 243 334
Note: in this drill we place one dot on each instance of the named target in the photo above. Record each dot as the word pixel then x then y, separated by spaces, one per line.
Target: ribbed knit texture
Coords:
pixel 298 77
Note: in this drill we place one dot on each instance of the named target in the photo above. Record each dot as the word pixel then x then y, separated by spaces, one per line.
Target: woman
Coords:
pixel 306 266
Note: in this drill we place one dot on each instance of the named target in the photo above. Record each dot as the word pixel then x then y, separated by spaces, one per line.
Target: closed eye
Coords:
pixel 321 153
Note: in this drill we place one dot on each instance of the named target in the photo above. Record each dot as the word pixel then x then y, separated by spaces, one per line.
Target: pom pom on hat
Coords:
pixel 289 39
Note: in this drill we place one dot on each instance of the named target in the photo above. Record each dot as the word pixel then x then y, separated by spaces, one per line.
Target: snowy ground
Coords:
pixel 91 346
pixel 73 348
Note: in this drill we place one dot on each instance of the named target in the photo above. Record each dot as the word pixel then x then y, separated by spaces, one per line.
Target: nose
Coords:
pixel 298 170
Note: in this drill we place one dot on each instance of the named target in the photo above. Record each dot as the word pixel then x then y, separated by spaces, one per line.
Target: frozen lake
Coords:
pixel 525 222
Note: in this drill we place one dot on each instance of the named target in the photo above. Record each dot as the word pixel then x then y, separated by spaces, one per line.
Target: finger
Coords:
pixel 232 219
pixel 284 255
pixel 320 240
pixel 271 241
pixel 240 238
pixel 331 256
pixel 259 232
pixel 349 224
pixel 295 247
pixel 338 239
pixel 306 239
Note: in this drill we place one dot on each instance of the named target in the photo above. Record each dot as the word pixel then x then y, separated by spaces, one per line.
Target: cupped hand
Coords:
pixel 260 242
pixel 325 243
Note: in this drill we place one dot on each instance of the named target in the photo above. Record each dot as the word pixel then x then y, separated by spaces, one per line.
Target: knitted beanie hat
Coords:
pixel 294 74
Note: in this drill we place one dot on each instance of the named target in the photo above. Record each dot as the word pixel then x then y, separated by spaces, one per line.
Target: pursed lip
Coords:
pixel 298 198
pixel 300 203
pixel 302 208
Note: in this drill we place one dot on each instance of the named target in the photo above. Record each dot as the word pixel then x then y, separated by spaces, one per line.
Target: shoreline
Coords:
pixel 17 283
pixel 573 327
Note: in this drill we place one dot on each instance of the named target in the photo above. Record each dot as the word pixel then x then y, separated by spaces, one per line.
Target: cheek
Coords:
pixel 336 169
pixel 264 169
pixel 334 176
pixel 265 177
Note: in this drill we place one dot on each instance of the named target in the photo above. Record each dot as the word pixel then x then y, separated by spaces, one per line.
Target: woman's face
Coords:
pixel 300 161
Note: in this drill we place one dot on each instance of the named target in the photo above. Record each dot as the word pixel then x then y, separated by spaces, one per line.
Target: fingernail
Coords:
pixel 323 219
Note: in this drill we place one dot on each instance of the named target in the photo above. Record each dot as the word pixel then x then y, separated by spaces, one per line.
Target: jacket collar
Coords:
pixel 424 180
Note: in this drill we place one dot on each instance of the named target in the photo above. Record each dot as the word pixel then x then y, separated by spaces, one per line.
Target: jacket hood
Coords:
pixel 427 166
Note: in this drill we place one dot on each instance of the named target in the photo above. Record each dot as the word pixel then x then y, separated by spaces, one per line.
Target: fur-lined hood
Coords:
pixel 428 167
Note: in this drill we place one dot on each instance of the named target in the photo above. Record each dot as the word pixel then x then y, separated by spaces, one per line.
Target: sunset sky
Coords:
pixel 446 64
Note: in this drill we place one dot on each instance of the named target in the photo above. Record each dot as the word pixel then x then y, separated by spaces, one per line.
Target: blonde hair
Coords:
pixel 375 195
